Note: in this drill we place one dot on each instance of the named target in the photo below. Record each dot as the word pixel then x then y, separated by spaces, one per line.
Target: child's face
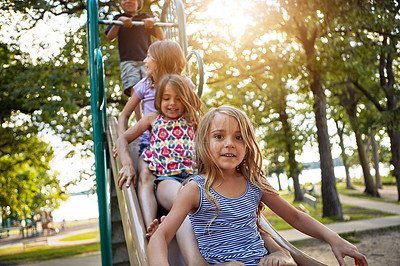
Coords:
pixel 171 105
pixel 226 144
pixel 151 65
pixel 129 6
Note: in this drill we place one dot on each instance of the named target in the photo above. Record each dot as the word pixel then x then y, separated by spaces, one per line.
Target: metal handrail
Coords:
pixel 138 23
pixel 98 108
pixel 201 70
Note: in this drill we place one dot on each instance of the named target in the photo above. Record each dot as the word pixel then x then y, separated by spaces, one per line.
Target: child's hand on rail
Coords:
pixel 149 22
pixel 127 21
pixel 127 173
pixel 114 152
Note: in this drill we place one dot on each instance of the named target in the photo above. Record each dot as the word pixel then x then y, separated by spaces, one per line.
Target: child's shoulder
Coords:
pixel 123 14
pixel 143 84
pixel 197 179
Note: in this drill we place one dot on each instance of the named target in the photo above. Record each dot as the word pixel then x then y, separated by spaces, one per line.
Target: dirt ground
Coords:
pixel 380 247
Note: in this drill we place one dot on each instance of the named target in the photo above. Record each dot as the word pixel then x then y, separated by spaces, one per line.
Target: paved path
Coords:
pixel 362 225
pixel 84 260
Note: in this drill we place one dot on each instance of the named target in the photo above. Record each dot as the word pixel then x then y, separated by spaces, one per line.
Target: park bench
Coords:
pixel 35 242
pixel 5 231
pixel 310 200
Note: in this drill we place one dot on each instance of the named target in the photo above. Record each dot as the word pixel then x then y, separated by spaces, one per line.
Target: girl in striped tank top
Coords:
pixel 225 200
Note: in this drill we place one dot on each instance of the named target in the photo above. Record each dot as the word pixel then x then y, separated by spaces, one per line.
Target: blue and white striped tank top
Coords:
pixel 233 234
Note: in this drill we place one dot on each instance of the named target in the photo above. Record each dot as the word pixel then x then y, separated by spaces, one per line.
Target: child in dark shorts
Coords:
pixel 133 43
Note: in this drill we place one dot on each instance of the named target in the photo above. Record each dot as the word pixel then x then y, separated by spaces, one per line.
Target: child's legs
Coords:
pixel 167 190
pixel 131 73
pixel 146 195
pixel 188 245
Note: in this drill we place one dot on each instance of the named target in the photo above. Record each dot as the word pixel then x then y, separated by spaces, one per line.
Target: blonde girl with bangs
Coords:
pixel 170 156
pixel 223 201
pixel 163 57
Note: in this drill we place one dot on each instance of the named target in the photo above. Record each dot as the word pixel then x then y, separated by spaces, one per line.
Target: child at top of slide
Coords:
pixel 133 41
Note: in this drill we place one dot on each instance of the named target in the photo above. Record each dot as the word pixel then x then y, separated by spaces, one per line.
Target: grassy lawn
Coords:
pixel 18 254
pixel 350 212
pixel 46 253
pixel 83 236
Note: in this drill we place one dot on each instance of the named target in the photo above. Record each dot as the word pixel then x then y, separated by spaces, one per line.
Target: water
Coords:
pixel 79 207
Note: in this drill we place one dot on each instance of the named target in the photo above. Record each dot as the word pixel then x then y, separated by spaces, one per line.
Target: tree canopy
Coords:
pixel 288 71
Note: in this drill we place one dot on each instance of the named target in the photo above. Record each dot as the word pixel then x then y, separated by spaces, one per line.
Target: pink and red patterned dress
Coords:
pixel 171 149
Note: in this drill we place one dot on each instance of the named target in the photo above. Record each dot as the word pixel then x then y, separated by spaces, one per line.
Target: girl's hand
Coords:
pixel 149 22
pixel 278 258
pixel 344 248
pixel 114 152
pixel 127 21
pixel 127 173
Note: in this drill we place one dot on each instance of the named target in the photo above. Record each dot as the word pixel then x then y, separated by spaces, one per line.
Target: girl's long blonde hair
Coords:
pixel 169 58
pixel 251 166
pixel 190 100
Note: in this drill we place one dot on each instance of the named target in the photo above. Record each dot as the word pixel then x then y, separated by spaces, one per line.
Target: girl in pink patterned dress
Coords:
pixel 171 152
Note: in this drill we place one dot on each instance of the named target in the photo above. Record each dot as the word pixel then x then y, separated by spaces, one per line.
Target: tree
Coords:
pixel 349 100
pixel 26 185
pixel 385 35
pixel 305 22
pixel 375 156
pixel 371 32
pixel 340 128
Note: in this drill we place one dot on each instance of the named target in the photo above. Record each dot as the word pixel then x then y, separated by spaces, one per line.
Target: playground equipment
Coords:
pixel 173 23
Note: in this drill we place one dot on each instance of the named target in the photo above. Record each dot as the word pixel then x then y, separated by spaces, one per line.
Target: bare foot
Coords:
pixel 153 227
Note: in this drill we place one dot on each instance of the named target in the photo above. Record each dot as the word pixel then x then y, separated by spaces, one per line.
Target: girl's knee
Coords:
pixel 146 178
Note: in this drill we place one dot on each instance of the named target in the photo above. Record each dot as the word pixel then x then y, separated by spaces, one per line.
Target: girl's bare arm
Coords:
pixel 308 225
pixel 123 118
pixel 127 172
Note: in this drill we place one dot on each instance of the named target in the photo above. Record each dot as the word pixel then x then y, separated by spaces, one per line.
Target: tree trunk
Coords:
pixel 394 136
pixel 344 155
pixel 293 165
pixel 375 157
pixel 349 102
pixel 330 200
pixel 279 181
pixel 363 156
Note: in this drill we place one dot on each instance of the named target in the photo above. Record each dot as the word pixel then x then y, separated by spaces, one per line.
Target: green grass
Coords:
pixel 47 253
pixel 351 237
pixel 9 250
pixel 351 213
pixel 83 236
